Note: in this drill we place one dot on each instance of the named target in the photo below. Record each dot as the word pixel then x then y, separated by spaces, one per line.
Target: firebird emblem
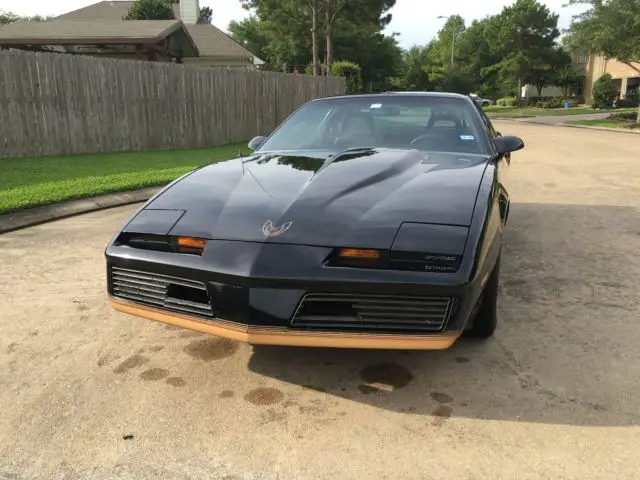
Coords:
pixel 269 230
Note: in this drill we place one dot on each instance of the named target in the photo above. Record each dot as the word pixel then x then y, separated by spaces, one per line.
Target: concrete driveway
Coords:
pixel 86 393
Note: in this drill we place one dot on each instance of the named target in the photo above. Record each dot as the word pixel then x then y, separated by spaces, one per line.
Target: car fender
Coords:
pixel 486 229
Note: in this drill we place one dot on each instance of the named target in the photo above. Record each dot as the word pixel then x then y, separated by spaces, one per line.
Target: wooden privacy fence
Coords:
pixel 56 104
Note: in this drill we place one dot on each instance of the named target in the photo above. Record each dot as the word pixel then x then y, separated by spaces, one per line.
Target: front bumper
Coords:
pixel 263 335
pixel 257 289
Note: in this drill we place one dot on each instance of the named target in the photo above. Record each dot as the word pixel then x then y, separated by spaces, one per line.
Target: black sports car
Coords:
pixel 366 221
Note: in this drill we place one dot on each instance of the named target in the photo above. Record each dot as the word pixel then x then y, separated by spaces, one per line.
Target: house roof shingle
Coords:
pixel 210 40
pixel 104 31
pixel 117 32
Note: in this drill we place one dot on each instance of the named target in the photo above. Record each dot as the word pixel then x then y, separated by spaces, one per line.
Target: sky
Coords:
pixel 415 20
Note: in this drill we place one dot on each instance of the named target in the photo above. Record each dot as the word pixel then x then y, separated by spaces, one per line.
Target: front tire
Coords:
pixel 486 320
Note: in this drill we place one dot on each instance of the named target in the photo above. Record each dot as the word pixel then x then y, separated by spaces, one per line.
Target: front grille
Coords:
pixel 162 291
pixel 372 312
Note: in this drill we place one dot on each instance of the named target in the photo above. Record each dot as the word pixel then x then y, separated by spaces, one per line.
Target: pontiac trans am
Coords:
pixel 362 221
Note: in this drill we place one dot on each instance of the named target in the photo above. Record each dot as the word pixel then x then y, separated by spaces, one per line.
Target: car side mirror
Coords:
pixel 508 144
pixel 256 142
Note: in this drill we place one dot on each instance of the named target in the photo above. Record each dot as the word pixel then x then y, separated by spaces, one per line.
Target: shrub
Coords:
pixel 507 102
pixel 546 105
pixel 351 71
pixel 556 102
pixel 604 91
pixel 628 116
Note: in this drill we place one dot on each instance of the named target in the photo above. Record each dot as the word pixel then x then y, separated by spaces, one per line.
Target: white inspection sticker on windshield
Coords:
pixel 467 137
pixel 376 105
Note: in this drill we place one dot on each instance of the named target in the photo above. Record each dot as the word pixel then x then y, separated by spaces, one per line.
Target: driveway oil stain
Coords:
pixel 131 362
pixel 442 397
pixel 227 394
pixel 462 360
pixel 386 376
pixel 154 374
pixel 264 396
pixel 443 411
pixel 176 381
pixel 211 349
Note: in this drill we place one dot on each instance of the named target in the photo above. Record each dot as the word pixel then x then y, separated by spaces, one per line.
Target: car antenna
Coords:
pixel 241 160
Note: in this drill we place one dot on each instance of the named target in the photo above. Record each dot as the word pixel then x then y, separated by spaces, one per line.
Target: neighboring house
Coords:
pixel 626 76
pixel 158 40
pixel 213 46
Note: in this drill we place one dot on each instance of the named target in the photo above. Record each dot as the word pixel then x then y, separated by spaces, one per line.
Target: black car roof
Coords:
pixel 399 94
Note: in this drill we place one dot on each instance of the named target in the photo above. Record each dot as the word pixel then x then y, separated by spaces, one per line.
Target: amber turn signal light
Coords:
pixel 359 253
pixel 191 245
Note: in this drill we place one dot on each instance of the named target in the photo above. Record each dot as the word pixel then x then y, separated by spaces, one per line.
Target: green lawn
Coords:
pixel 515 112
pixel 606 122
pixel 31 182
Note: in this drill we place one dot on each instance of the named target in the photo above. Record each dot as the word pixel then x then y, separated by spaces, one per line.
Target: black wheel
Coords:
pixel 486 319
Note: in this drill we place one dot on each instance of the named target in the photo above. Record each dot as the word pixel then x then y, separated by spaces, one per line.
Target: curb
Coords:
pixel 604 129
pixel 586 127
pixel 35 216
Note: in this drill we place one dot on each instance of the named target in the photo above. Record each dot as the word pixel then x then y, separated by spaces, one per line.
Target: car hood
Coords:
pixel 358 199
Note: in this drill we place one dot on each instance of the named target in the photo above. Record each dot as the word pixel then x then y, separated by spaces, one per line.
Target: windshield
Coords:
pixel 428 123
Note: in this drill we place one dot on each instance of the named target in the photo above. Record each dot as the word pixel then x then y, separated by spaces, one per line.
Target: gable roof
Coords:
pixel 121 32
pixel 210 40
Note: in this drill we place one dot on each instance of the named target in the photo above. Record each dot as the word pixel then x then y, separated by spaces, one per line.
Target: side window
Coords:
pixel 487 122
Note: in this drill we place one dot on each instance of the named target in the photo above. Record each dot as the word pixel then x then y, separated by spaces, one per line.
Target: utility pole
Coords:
pixel 453 38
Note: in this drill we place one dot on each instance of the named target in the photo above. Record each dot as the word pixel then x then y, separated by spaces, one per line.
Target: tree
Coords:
pixel 544 72
pixel 206 15
pixel 150 10
pixel 522 34
pixel 568 78
pixel 444 48
pixel 350 12
pixel 251 34
pixel 8 17
pixel 284 26
pixel 475 55
pixel 447 79
pixel 413 72
pixel 609 27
